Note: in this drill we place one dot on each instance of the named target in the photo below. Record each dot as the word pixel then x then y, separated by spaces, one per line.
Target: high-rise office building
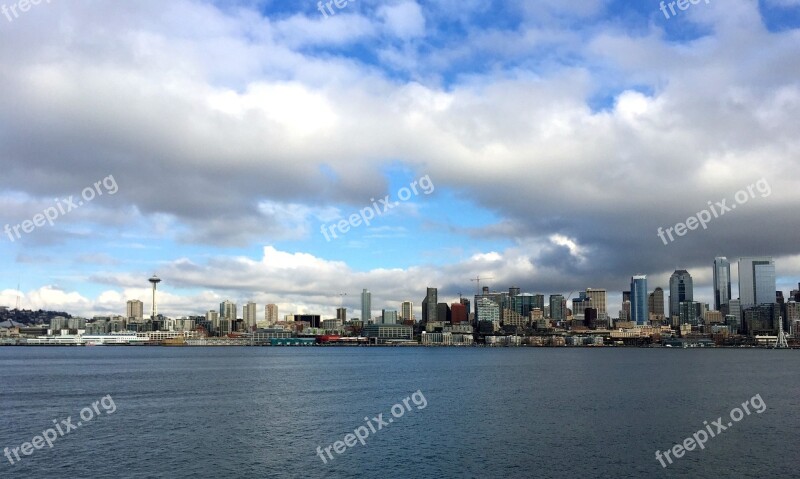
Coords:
pixel 625 312
pixel 135 310
pixel 538 301
pixel 756 281
pixel 458 313
pixel 681 288
pixel 690 312
pixel 271 314
pixel 341 314
pixel 579 304
pixel 558 307
pixel 599 299
pixel 389 316
pixel 513 291
pixel 366 306
pixel 522 303
pixel 407 311
pixel 722 282
pixel 655 302
pixel 443 312
pixel 639 313
pixel 487 310
pixel 429 305
pixel 227 310
pixel 465 302
pixel 249 315
pixel 213 318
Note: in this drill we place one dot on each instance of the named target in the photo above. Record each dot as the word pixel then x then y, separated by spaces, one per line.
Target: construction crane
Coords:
pixel 478 281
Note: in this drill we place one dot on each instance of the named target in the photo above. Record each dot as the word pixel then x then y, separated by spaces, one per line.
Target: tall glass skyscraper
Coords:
pixel 366 306
pixel 681 288
pixel 429 305
pixel 722 282
pixel 756 280
pixel 639 313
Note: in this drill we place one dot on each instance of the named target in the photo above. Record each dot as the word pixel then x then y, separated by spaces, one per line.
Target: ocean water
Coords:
pixel 477 412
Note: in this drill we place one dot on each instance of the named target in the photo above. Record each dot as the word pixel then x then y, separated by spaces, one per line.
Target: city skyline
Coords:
pixel 654 300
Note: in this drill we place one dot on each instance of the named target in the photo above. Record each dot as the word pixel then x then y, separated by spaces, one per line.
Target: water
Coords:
pixel 517 412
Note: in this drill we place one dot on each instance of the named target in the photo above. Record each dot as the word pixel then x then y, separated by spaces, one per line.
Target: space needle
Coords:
pixel 154 280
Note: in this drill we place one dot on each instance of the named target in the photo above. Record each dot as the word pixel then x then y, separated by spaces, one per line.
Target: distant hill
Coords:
pixel 26 316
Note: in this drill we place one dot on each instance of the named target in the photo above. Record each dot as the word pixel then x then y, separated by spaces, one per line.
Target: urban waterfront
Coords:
pixel 489 412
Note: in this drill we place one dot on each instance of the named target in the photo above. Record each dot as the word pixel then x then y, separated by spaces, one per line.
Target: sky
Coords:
pixel 226 146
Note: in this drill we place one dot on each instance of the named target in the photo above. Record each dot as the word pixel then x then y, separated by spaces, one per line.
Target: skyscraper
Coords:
pixel 722 282
pixel 388 316
pixel 341 314
pixel 407 311
pixel 655 302
pixel 558 307
pixel 598 300
pixel 639 313
pixel 213 318
pixel 443 312
pixel 366 306
pixel 249 313
pixel 681 288
pixel 756 281
pixel 227 310
pixel 135 310
pixel 429 305
pixel 271 314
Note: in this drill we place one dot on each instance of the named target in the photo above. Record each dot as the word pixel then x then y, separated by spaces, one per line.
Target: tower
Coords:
pixel 681 288
pixel 756 280
pixel 154 280
pixel 639 313
pixel 722 282
pixel 366 306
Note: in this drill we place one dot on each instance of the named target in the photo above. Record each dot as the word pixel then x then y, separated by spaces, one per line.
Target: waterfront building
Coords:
pixel 384 332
